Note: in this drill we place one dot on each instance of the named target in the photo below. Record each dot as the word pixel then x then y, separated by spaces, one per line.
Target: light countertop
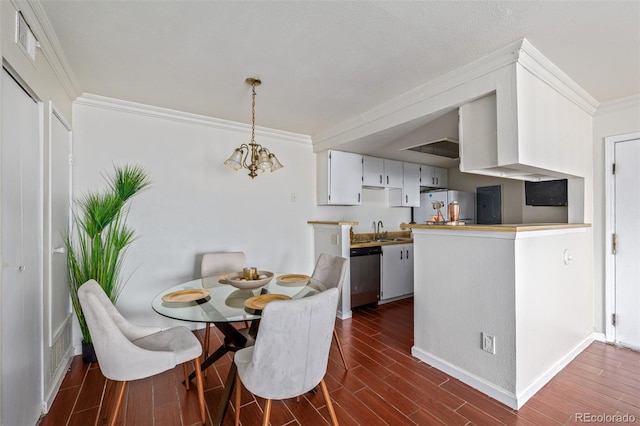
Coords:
pixel 522 227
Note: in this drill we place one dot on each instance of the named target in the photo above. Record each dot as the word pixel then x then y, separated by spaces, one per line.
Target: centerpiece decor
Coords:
pixel 97 241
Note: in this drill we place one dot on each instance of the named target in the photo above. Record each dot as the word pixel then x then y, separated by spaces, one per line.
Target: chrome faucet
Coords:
pixel 380 225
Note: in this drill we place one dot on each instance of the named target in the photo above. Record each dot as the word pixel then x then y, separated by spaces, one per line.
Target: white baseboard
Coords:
pixel 59 376
pixel 344 315
pixel 510 399
pixel 484 386
pixel 545 377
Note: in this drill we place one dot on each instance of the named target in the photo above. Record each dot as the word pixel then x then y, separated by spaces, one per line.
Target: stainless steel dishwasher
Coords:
pixel 365 275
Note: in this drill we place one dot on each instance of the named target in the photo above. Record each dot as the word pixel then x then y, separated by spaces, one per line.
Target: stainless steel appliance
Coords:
pixel 466 202
pixel 365 275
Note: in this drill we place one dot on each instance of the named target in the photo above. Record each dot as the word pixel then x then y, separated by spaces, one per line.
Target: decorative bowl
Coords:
pixel 237 280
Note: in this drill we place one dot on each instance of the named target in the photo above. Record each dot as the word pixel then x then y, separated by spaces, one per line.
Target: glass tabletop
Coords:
pixel 225 303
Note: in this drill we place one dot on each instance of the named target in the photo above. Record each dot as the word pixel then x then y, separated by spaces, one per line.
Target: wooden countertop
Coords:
pixel 380 243
pixel 522 227
pixel 329 222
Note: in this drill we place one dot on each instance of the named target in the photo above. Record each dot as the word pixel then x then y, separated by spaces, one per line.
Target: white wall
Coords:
pixel 374 207
pixel 553 301
pixel 614 118
pixel 195 204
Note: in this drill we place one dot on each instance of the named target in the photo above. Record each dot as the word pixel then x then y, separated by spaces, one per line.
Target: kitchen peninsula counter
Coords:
pixel 527 286
pixel 522 227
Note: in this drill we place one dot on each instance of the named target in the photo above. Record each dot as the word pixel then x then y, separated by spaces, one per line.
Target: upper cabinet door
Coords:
pixel 409 194
pixel 427 176
pixel 411 187
pixel 433 177
pixel 440 176
pixel 373 171
pixel 339 178
pixel 393 174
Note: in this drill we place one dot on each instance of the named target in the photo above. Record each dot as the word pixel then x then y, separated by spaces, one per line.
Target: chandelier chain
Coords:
pixel 253 112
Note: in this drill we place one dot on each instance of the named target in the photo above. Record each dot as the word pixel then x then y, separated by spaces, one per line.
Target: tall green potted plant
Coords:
pixel 97 241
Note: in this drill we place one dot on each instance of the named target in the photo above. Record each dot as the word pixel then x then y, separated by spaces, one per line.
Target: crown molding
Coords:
pixel 535 62
pixel 120 105
pixel 519 52
pixel 621 104
pixel 475 69
pixel 49 45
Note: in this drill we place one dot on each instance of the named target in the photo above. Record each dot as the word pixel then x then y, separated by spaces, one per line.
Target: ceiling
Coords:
pixel 324 62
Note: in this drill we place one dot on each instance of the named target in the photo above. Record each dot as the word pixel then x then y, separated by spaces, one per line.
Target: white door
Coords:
pixel 21 284
pixel 59 302
pixel 627 254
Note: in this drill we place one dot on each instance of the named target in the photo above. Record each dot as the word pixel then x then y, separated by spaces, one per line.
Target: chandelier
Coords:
pixel 253 156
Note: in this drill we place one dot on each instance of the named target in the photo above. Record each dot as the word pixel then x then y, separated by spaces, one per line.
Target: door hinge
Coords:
pixel 614 243
pixel 613 168
pixel 70 160
pixel 613 319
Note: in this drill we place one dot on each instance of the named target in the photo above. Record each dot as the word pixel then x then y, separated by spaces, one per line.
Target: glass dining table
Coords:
pixel 224 306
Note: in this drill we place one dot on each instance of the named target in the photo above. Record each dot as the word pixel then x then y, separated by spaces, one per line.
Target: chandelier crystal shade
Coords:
pixel 253 156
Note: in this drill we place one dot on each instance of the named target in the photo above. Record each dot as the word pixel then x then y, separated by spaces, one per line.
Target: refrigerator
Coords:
pixel 466 200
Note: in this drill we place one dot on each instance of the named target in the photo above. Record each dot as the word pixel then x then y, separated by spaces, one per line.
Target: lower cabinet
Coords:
pixel 397 271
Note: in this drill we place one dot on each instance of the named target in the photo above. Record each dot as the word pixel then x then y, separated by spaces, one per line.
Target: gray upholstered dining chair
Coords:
pixel 291 351
pixel 331 271
pixel 128 352
pixel 217 264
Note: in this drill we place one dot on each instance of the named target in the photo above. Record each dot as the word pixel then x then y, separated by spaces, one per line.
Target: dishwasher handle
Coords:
pixel 366 251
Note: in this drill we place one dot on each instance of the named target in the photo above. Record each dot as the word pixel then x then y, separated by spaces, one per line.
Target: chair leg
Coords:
pixel 267 413
pixel 344 361
pixel 237 399
pixel 200 385
pixel 205 345
pixel 123 386
pixel 327 399
pixel 186 375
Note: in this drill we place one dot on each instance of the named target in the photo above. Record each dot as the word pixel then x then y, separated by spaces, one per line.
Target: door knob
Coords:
pixel 60 250
pixel 21 268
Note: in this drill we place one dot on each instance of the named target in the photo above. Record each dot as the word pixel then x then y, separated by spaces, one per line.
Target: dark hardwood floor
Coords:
pixel 384 385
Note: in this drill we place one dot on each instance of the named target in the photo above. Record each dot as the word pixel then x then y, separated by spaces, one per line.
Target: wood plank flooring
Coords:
pixel 384 385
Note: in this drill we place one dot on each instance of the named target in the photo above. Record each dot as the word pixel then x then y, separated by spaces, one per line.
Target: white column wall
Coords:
pixel 553 300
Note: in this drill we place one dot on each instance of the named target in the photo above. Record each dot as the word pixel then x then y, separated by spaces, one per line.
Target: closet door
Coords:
pixel 21 284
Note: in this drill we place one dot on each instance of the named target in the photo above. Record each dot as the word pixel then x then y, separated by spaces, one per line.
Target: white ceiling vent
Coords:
pixel 25 38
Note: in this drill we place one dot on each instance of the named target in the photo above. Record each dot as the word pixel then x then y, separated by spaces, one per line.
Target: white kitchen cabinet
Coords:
pixel 397 271
pixel 373 172
pixel 409 194
pixel 339 178
pixel 433 177
pixel 393 171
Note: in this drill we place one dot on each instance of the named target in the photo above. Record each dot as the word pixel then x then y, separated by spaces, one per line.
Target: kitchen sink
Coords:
pixel 385 240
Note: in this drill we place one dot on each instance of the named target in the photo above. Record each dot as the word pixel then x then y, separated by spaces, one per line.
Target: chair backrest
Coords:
pixel 291 351
pixel 330 270
pixel 222 262
pixel 112 337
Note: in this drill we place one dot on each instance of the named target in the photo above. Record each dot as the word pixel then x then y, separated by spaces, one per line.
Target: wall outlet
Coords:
pixel 488 343
pixel 335 238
